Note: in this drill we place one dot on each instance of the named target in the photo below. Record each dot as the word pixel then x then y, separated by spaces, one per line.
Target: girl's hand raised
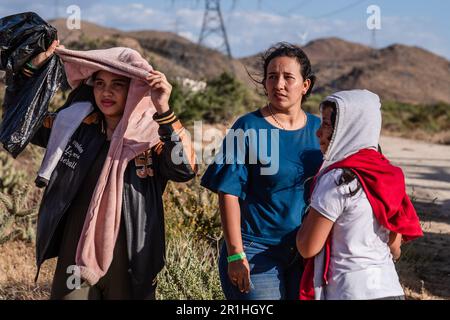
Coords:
pixel 160 90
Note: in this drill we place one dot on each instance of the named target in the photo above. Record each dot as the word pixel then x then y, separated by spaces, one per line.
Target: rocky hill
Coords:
pixel 398 72
pixel 174 55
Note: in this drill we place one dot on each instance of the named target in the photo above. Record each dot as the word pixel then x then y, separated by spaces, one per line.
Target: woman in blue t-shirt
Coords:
pixel 260 176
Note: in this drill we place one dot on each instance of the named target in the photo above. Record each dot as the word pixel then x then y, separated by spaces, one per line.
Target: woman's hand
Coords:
pixel 230 215
pixel 161 90
pixel 239 274
pixel 42 57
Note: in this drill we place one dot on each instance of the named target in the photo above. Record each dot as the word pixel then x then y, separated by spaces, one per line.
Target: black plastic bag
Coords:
pixel 22 37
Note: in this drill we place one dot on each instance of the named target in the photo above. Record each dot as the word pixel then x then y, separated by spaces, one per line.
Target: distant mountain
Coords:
pixel 398 72
pixel 174 55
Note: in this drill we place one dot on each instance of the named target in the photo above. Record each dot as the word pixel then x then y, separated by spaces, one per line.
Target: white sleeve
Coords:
pixel 326 198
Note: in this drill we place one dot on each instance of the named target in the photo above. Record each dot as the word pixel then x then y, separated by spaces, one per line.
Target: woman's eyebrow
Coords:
pixel 275 72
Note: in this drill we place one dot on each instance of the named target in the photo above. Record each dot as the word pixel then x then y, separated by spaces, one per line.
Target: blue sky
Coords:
pixel 253 25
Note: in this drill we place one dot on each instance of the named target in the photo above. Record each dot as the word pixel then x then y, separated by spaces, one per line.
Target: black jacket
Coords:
pixel 145 179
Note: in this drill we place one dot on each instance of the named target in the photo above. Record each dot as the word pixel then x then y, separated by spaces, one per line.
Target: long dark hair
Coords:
pixel 285 49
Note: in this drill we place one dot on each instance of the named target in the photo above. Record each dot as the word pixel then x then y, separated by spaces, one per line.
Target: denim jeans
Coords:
pixel 275 272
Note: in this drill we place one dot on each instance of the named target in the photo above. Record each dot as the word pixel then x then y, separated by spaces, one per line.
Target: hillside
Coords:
pixel 398 73
pixel 174 55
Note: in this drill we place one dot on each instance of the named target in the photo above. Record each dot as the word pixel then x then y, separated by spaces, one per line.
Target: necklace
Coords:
pixel 278 122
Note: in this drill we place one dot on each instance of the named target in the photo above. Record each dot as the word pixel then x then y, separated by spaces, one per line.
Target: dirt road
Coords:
pixel 427 172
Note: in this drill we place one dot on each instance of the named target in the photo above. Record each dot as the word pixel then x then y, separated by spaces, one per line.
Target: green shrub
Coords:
pixel 224 98
pixel 10 177
pixel 313 103
pixel 87 43
pixel 402 117
pixel 191 271
pixel 193 235
pixel 17 218
pixel 193 209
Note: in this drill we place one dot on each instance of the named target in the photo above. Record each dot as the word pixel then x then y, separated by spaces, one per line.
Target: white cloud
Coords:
pixel 138 6
pixel 252 32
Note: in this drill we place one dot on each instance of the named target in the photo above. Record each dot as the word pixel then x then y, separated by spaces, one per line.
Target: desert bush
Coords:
pixel 402 117
pixel 442 137
pixel 192 209
pixel 421 122
pixel 224 98
pixel 193 235
pixel 87 43
pixel 191 270
pixel 17 217
pixel 313 103
pixel 10 177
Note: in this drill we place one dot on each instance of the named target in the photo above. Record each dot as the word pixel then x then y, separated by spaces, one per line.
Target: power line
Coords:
pixel 269 6
pixel 351 5
pixel 298 6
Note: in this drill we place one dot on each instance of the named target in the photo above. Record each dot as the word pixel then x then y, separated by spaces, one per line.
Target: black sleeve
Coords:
pixel 174 155
pixel 42 135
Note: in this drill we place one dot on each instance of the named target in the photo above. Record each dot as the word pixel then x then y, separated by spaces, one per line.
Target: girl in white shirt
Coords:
pixel 362 249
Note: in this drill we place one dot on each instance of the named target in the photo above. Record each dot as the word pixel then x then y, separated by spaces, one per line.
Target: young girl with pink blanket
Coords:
pixel 109 155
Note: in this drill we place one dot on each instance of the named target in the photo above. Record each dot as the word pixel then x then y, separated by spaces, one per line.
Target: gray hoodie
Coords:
pixel 358 126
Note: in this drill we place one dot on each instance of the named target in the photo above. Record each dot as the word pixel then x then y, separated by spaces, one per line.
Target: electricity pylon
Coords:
pixel 213 25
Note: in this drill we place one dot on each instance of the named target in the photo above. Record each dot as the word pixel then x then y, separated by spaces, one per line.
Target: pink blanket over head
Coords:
pixel 135 133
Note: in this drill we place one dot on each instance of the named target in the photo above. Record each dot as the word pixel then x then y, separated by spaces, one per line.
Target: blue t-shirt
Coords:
pixel 271 188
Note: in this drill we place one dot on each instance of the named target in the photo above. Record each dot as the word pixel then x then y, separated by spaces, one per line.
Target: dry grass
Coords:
pixel 420 274
pixel 17 272
pixel 423 268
